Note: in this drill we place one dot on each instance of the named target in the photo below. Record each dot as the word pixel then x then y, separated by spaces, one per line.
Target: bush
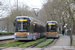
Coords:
pixel 6 33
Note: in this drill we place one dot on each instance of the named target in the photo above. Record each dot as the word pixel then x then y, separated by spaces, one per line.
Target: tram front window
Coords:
pixel 23 26
pixel 19 26
pixel 51 28
pixel 26 27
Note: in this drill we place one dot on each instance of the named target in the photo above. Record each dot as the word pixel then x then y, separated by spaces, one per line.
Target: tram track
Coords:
pixel 16 43
pixel 31 46
pixel 3 42
pixel 51 44
pixel 37 43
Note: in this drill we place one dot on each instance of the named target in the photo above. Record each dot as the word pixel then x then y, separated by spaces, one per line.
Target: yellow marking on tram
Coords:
pixel 51 33
pixel 21 19
pixel 34 24
pixel 51 23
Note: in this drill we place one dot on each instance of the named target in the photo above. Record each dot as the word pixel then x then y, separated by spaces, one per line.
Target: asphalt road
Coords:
pixel 6 37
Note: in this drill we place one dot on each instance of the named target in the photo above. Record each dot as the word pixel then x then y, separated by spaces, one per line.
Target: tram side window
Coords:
pixel 47 27
pixel 36 28
pixel 41 29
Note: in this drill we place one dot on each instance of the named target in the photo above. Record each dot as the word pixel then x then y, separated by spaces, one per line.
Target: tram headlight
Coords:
pixel 14 33
pixel 27 33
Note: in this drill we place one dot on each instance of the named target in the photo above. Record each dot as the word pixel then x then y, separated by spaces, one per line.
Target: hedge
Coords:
pixel 6 33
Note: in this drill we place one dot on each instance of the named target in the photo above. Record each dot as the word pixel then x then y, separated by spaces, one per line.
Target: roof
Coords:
pixel 21 16
pixel 51 21
pixel 31 18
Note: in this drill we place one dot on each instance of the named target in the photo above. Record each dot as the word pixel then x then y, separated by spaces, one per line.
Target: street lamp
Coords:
pixel 36 11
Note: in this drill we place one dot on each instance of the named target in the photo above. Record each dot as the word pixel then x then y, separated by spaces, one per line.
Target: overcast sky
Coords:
pixel 30 3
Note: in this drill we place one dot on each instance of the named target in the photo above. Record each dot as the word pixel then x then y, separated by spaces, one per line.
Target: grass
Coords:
pixel 12 44
pixel 6 33
pixel 2 44
pixel 31 43
pixel 15 43
pixel 44 43
pixel 9 44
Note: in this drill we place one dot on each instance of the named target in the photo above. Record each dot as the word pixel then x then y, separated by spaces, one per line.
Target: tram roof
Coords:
pixel 51 21
pixel 31 18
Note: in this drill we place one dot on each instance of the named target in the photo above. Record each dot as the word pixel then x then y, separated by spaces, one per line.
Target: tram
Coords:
pixel 51 29
pixel 28 28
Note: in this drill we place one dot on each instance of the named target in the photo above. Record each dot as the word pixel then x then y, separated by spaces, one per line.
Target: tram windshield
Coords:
pixel 51 28
pixel 26 26
pixel 23 26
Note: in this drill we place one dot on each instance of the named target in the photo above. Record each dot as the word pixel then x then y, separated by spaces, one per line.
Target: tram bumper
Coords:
pixel 22 38
pixel 52 36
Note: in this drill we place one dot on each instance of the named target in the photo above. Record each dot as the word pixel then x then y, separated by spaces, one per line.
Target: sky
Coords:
pixel 31 3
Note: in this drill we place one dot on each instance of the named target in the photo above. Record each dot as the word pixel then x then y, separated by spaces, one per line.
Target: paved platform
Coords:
pixel 63 41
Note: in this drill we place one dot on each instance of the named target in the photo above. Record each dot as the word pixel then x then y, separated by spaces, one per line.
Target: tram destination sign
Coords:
pixel 21 19
pixel 51 23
